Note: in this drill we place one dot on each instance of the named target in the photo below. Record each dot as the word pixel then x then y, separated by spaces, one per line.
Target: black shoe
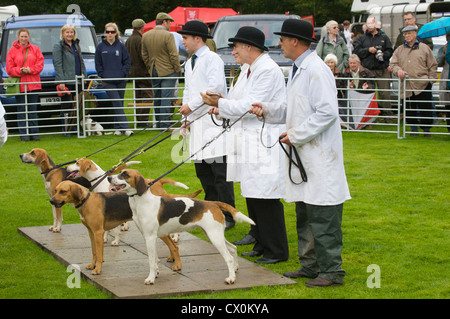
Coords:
pixel 247 240
pixel 252 253
pixel 265 260
pixel 296 274
pixel 25 139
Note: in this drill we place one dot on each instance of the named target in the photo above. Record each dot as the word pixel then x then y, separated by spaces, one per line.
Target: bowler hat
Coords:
pixel 195 28
pixel 164 16
pixel 251 36
pixel 295 28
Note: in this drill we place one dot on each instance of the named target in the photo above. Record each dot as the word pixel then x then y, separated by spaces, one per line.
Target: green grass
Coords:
pixel 397 218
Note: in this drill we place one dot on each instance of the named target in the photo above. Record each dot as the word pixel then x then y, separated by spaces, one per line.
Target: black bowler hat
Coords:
pixel 195 28
pixel 295 28
pixel 251 36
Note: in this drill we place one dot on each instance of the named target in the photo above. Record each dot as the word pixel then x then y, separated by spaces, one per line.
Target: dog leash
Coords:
pixel 292 150
pixel 135 152
pixel 226 129
pixel 87 156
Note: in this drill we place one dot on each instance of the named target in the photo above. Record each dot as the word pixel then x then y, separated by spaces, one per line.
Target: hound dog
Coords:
pixel 100 212
pixel 91 171
pixel 52 177
pixel 157 216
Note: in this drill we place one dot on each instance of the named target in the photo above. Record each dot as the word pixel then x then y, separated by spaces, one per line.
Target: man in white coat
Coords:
pixel 204 71
pixel 260 169
pixel 312 123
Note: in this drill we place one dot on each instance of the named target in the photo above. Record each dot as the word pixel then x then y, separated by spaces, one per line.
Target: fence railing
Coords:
pixel 87 109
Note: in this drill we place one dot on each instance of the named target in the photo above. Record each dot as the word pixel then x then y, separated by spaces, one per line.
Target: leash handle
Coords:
pixel 299 164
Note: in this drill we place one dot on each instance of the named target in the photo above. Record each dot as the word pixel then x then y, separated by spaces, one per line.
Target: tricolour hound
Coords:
pixel 100 212
pixel 157 216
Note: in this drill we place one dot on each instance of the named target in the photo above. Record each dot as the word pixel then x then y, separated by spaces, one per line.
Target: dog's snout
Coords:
pixel 110 179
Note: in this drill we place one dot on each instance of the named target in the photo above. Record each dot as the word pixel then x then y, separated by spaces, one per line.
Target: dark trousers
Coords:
pixel 419 109
pixel 270 229
pixel 320 240
pixel 213 177
pixel 116 91
pixel 27 119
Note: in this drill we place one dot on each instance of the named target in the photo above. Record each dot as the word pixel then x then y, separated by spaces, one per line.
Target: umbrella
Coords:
pixel 435 28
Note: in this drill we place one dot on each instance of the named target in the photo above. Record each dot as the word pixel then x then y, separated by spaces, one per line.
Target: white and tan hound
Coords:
pixel 158 216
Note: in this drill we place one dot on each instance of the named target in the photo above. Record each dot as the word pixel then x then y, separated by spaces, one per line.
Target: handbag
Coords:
pixel 12 86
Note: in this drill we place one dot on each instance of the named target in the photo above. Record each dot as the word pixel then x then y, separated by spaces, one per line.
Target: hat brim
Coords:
pixel 195 34
pixel 246 41
pixel 293 35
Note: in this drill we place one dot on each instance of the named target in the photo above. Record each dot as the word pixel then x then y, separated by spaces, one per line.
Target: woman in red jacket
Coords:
pixel 26 61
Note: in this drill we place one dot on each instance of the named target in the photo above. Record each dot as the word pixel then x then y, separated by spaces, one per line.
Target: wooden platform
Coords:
pixel 126 266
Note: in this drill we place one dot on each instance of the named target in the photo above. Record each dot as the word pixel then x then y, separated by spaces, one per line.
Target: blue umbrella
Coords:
pixel 435 28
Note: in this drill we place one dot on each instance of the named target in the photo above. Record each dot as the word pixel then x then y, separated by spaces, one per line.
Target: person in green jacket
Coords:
pixel 332 42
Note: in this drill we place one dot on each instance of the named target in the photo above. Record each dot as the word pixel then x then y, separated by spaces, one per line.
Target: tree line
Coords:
pixel 123 12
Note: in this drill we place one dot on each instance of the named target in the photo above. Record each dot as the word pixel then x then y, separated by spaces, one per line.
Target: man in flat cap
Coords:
pixel 144 93
pixel 261 169
pixel 416 60
pixel 204 71
pixel 313 130
pixel 163 63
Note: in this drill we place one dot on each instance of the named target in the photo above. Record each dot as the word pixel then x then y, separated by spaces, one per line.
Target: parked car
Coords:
pixel 227 27
pixel 45 33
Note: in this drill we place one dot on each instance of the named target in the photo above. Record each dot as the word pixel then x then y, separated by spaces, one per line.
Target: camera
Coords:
pixel 379 53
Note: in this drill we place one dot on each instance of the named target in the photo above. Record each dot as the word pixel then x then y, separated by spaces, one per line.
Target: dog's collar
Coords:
pixel 83 201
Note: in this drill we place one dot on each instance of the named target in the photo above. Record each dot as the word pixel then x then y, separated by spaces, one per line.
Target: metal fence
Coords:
pixel 87 108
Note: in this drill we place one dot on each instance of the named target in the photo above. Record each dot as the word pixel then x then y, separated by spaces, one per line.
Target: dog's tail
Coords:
pixel 177 184
pixel 194 194
pixel 237 215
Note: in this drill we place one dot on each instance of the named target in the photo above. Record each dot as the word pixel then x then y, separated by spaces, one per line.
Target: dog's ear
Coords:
pixel 77 192
pixel 141 186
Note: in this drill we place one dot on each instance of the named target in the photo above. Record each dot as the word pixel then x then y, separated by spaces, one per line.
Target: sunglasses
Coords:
pixel 110 31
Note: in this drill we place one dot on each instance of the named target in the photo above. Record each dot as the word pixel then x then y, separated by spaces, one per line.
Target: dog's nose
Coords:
pixel 109 179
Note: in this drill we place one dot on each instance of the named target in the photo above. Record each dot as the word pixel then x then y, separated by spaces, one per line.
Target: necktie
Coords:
pixel 248 73
pixel 294 69
pixel 193 60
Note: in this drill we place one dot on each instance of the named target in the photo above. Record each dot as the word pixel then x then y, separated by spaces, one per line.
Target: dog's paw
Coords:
pixel 115 242
pixel 176 267
pixel 55 229
pixel 230 280
pixel 149 281
pixel 90 266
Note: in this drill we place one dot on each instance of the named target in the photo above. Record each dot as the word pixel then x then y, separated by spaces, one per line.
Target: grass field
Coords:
pixel 398 218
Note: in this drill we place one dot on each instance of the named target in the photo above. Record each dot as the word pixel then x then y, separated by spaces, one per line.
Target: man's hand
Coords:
pixel 285 139
pixel 401 74
pixel 256 109
pixel 211 98
pixel 214 110
pixel 185 110
pixel 184 129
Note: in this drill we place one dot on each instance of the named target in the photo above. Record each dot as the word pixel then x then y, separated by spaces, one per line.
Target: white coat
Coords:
pixel 208 75
pixel 261 169
pixel 312 122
